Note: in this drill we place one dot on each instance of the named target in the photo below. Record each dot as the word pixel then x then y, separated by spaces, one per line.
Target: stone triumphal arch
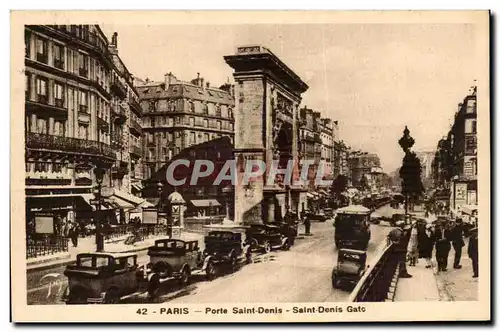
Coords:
pixel 267 98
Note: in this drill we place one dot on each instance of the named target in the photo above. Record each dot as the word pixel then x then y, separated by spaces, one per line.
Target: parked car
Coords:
pixel 351 265
pixel 173 259
pixel 102 277
pixel 329 213
pixel 266 237
pixel 352 227
pixel 224 248
pixel 318 216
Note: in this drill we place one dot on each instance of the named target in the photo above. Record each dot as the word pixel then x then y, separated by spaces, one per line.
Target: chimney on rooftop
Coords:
pixel 202 82
pixel 208 84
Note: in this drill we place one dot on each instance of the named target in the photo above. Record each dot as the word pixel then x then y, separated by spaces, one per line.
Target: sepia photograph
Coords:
pixel 250 166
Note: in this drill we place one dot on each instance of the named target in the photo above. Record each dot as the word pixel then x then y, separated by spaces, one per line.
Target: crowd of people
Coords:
pixel 420 239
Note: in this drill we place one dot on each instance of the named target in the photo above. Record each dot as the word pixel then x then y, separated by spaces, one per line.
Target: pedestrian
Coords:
pixel 412 249
pixel 426 244
pixel 443 245
pixel 472 250
pixel 399 238
pixel 74 234
pixel 457 241
pixel 307 224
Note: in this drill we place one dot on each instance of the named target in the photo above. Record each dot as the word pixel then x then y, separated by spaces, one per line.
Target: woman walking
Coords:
pixel 412 249
pixel 426 244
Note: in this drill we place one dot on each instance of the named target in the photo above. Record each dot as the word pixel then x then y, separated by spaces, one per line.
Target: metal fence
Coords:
pixel 45 245
pixel 375 283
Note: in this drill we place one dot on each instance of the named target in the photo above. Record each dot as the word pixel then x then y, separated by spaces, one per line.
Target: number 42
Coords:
pixel 142 311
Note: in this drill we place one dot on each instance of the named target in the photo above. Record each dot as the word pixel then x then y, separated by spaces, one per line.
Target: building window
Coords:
pixel 83 69
pixel 206 137
pixel 231 127
pixel 27 85
pixel 192 137
pixel 230 113
pixel 59 95
pixel 191 106
pixel 27 44
pixel 470 126
pixel 83 101
pixel 205 123
pixel 218 111
pixel 191 121
pixel 177 150
pixel 58 56
pixel 41 50
pixel 219 125
pixel 41 90
pixel 177 120
pixel 41 126
pixel 153 124
pixel 41 167
pixel 471 106
pixel 152 106
pixel 164 153
pixel 205 108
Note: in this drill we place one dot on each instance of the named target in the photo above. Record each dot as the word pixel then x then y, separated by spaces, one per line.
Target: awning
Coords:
pixel 120 203
pixel 107 204
pixel 128 197
pixel 205 202
pixel 469 209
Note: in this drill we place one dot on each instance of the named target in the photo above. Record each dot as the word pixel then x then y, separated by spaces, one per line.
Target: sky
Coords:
pixel 372 78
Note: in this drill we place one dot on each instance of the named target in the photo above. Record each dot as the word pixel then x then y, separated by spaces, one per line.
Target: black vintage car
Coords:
pixel 224 248
pixel 266 237
pixel 351 266
pixel 352 227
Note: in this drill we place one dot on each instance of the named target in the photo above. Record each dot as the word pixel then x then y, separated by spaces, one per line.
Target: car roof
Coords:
pixel 107 254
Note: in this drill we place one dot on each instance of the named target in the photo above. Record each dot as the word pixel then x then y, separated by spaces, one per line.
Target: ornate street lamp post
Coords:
pixel 99 175
pixel 159 185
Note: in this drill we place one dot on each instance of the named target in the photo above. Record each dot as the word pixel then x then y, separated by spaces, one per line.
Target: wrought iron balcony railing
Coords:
pixel 118 87
pixel 68 144
pixel 135 126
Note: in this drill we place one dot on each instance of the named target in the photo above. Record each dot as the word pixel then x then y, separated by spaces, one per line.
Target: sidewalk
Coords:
pixel 431 285
pixel 87 244
pixel 458 285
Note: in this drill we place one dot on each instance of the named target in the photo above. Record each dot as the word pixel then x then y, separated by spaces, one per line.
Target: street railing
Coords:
pixel 375 283
pixel 39 245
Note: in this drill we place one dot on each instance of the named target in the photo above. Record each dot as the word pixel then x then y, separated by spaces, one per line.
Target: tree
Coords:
pixel 410 172
pixel 339 185
pixel 363 183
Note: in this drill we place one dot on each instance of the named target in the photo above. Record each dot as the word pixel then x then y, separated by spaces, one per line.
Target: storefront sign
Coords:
pixel 461 191
pixel 44 223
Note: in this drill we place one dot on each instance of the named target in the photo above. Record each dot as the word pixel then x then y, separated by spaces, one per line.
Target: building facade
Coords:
pixel 327 146
pixel 454 167
pixel 77 102
pixel 363 168
pixel 310 143
pixel 178 114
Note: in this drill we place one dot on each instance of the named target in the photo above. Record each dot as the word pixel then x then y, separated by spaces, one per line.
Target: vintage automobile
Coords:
pixel 352 227
pixel 173 259
pixel 329 212
pixel 351 265
pixel 102 277
pixel 224 249
pixel 266 237
pixel 318 216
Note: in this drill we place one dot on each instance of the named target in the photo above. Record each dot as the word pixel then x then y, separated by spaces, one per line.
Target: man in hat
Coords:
pixel 400 237
pixel 457 241
pixel 473 251
pixel 443 246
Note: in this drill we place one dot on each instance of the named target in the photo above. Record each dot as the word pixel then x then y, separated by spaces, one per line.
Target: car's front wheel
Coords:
pixel 267 247
pixel 184 276
pixel 211 270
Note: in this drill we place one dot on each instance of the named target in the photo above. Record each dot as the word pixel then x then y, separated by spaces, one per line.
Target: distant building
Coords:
pixel 327 146
pixel 363 165
pixel 178 114
pixel 203 195
pixel 310 143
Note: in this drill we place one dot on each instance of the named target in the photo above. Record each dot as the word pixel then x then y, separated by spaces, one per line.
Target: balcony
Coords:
pixel 134 104
pixel 68 144
pixel 118 87
pixel 135 127
pixel 42 58
pixel 136 151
